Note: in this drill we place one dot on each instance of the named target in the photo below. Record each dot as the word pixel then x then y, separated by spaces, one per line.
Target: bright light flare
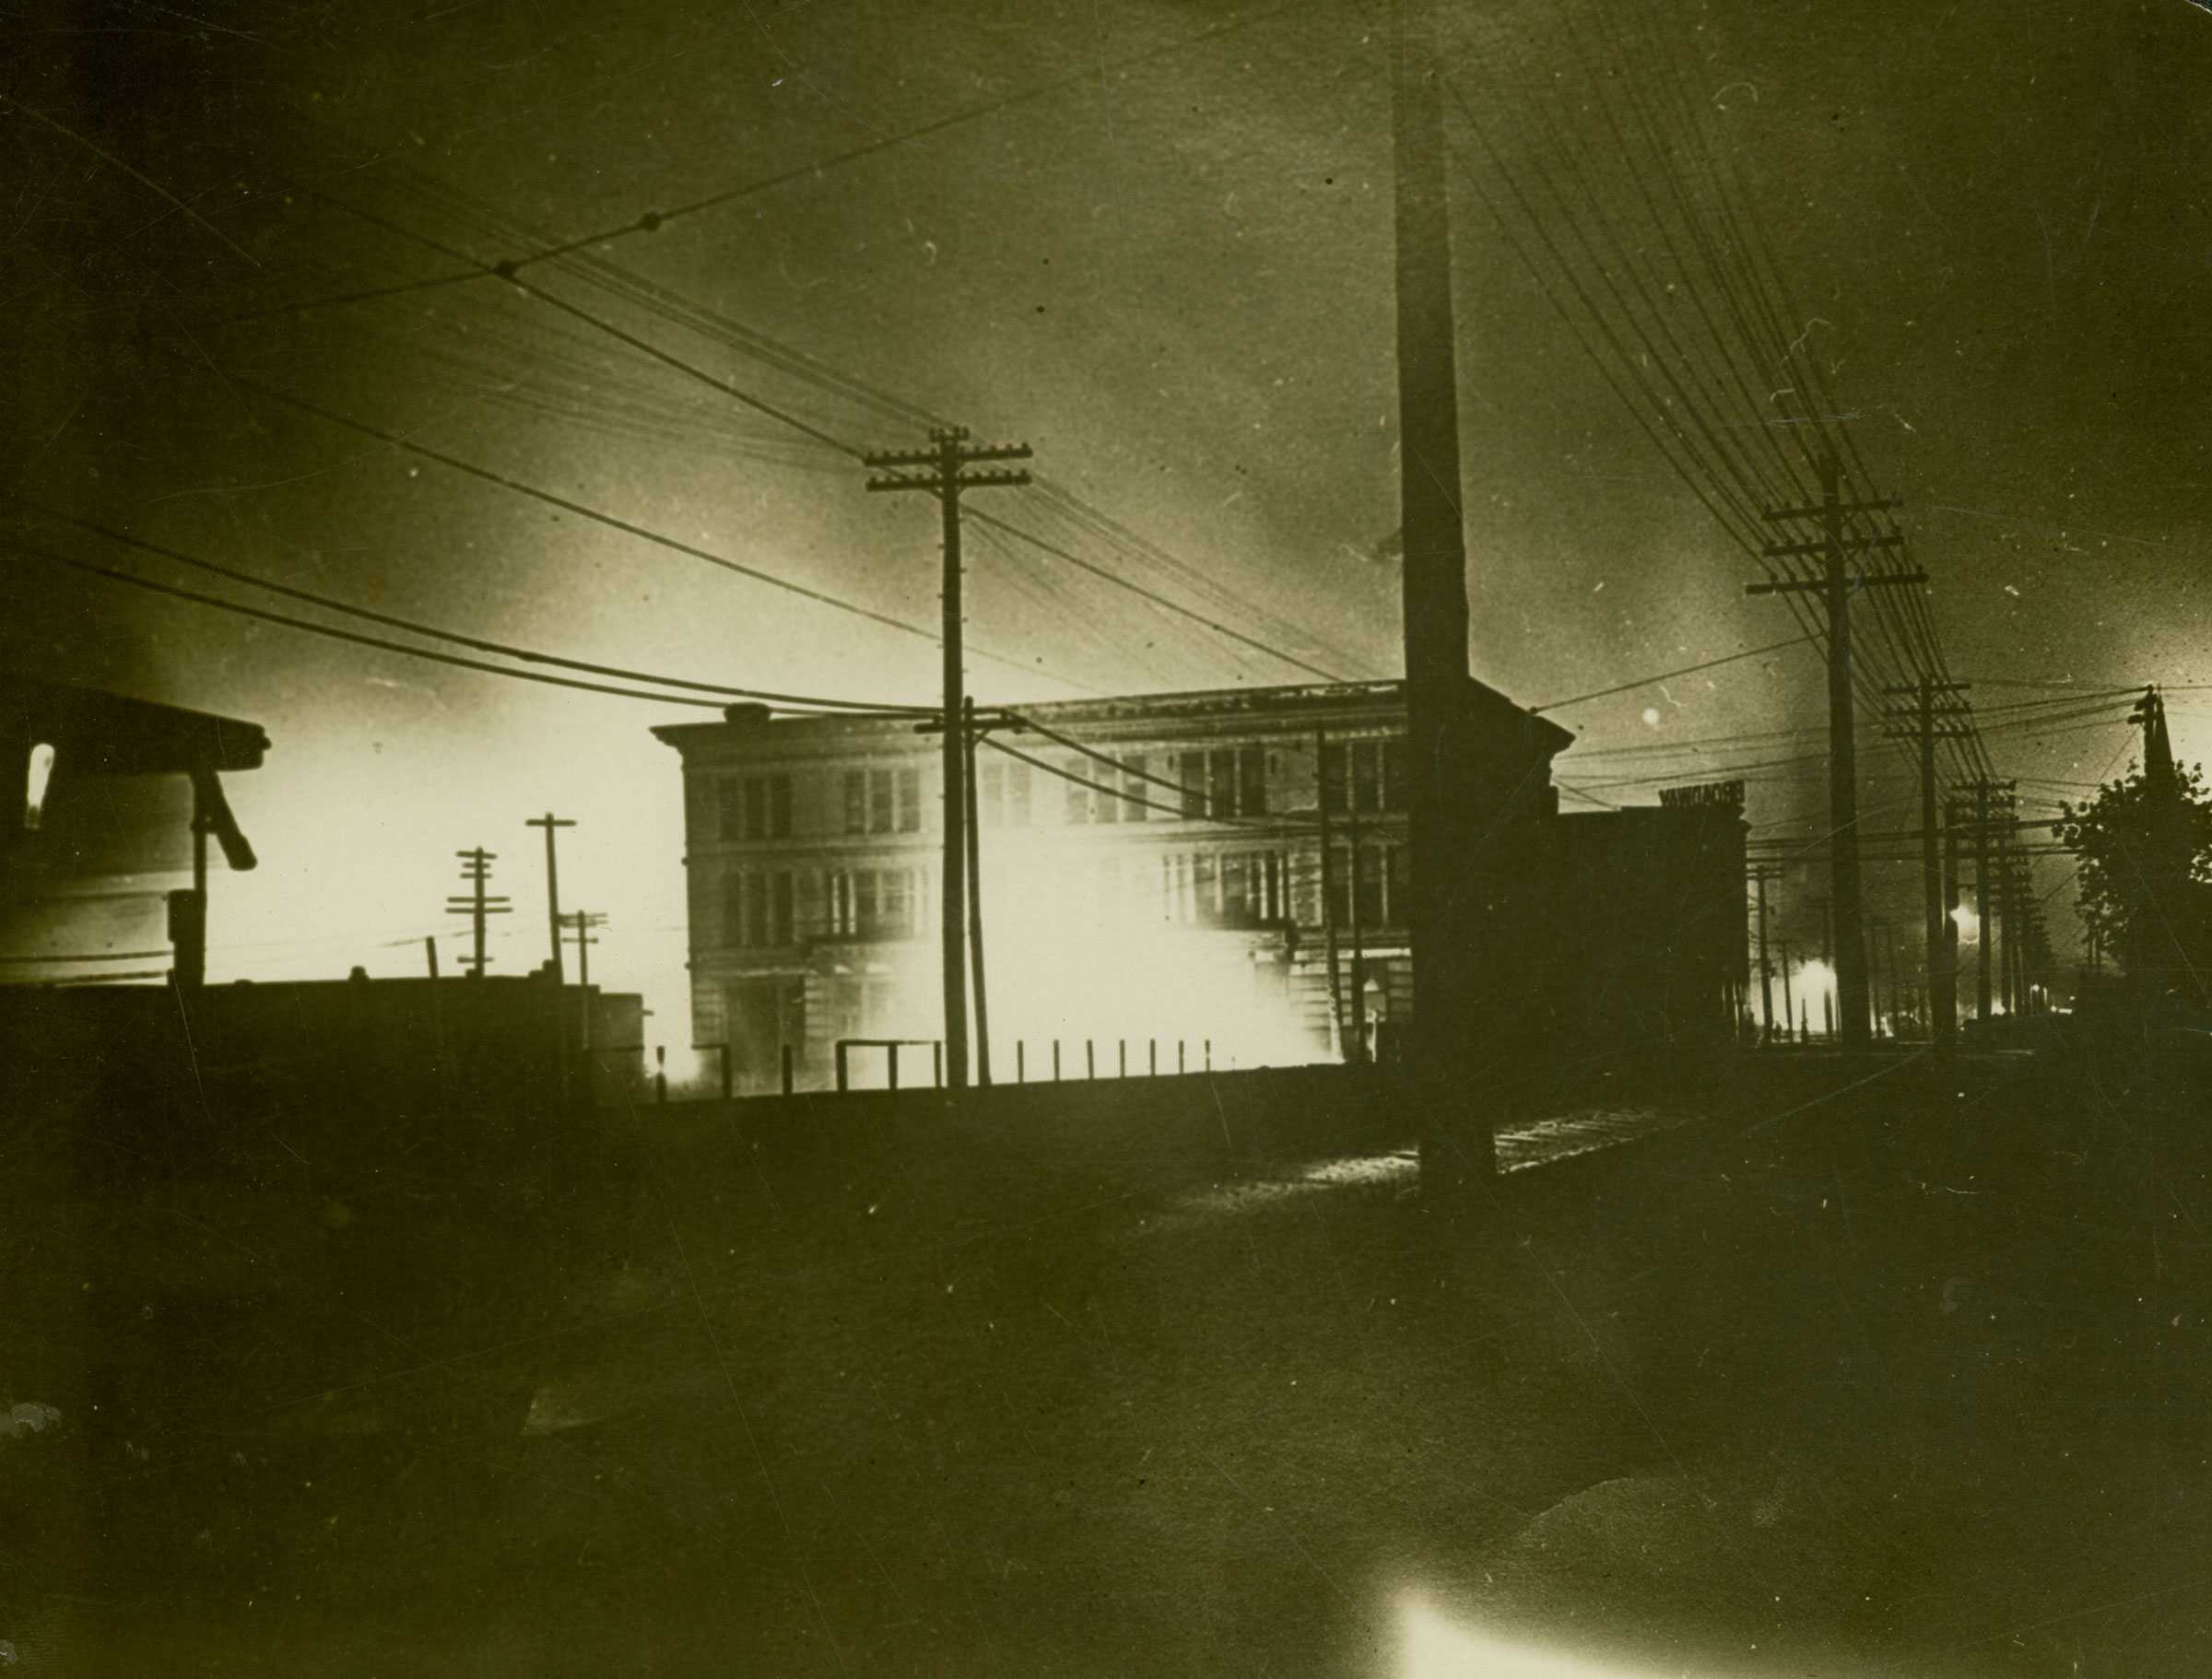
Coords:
pixel 1432 1648
pixel 1967 921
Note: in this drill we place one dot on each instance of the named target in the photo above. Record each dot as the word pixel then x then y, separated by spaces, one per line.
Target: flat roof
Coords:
pixel 1200 704
pixel 94 732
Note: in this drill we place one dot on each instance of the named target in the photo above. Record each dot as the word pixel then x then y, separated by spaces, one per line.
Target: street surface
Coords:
pixel 1869 1396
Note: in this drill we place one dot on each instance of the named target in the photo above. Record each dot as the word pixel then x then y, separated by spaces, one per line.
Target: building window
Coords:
pixel 754 807
pixel 733 909
pixel 1222 763
pixel 1394 782
pixel 1079 792
pixel 756 910
pixel 780 906
pixel 909 801
pixel 1191 773
pixel 857 801
pixel 1397 882
pixel 1001 794
pixel 1369 887
pixel 837 888
pixel 1334 777
pixel 1251 781
pixel 1136 790
pixel 1107 803
pixel 882 812
pixel 1367 775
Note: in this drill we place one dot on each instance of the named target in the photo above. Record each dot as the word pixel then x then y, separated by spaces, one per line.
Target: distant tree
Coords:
pixel 2145 846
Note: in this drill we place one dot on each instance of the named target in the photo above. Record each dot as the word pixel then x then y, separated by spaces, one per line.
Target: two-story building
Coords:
pixel 1224 868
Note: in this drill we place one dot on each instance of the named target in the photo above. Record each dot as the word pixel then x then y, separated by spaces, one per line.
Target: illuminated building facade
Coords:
pixel 1223 871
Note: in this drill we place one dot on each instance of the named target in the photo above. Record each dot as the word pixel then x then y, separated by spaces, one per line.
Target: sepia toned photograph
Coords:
pixel 1096 837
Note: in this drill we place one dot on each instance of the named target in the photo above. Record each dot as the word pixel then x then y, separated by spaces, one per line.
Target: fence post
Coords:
pixel 842 1051
pixel 1152 1048
pixel 1125 1058
pixel 1021 1060
pixel 1090 1059
pixel 894 1055
pixel 937 1065
pixel 1055 1061
pixel 790 1069
pixel 1180 1067
pixel 1209 1055
pixel 660 1075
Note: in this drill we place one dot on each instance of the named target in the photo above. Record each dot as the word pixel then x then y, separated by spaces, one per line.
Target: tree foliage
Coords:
pixel 2145 846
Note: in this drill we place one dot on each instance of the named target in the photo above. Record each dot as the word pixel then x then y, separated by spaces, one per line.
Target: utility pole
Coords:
pixel 1789 1007
pixel 1890 955
pixel 1762 873
pixel 476 868
pixel 550 822
pixel 1875 928
pixel 1328 897
pixel 1992 799
pixel 1924 726
pixel 1454 942
pixel 1835 585
pixel 945 469
pixel 580 924
pixel 975 895
pixel 1946 1004
pixel 978 729
pixel 1351 893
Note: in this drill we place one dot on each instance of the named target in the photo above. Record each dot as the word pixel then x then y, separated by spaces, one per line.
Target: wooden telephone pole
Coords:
pixel 1762 873
pixel 944 473
pixel 476 868
pixel 1924 725
pixel 1835 585
pixel 550 823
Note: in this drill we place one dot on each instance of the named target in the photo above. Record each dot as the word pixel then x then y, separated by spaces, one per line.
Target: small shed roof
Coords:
pixel 94 732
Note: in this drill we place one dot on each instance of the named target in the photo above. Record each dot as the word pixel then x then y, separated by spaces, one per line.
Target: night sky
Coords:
pixel 1167 267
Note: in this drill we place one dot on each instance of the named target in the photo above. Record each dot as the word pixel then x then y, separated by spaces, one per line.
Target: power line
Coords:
pixel 355 638
pixel 414 627
pixel 651 221
pixel 1687 670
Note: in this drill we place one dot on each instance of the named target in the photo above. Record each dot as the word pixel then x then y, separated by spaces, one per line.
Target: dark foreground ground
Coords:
pixel 1893 1388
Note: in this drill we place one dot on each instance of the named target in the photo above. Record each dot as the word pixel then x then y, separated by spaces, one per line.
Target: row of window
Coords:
pixel 759 906
pixel 1363 775
pixel 1225 781
pixel 754 807
pixel 1254 888
pixel 1220 783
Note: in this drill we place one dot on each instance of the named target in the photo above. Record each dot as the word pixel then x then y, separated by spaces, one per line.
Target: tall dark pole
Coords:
pixel 552 823
pixel 1984 917
pixel 1458 1149
pixel 1946 978
pixel 1351 824
pixel 1760 874
pixel 945 463
pixel 975 899
pixel 1789 1007
pixel 1328 895
pixel 1835 585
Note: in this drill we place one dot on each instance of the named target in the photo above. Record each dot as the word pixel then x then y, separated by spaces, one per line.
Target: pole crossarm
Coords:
pixel 1796 585
pixel 1777 515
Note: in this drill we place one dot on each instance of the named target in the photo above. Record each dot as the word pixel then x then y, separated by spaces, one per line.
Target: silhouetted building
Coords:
pixel 1152 872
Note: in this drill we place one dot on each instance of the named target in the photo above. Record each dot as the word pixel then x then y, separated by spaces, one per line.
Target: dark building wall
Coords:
pixel 1645 912
pixel 343 1058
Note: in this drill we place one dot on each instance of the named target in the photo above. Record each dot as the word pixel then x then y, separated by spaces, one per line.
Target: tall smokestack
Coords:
pixel 1457 1149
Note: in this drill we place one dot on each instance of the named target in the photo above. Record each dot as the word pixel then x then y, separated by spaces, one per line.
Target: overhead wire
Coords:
pixel 480 644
